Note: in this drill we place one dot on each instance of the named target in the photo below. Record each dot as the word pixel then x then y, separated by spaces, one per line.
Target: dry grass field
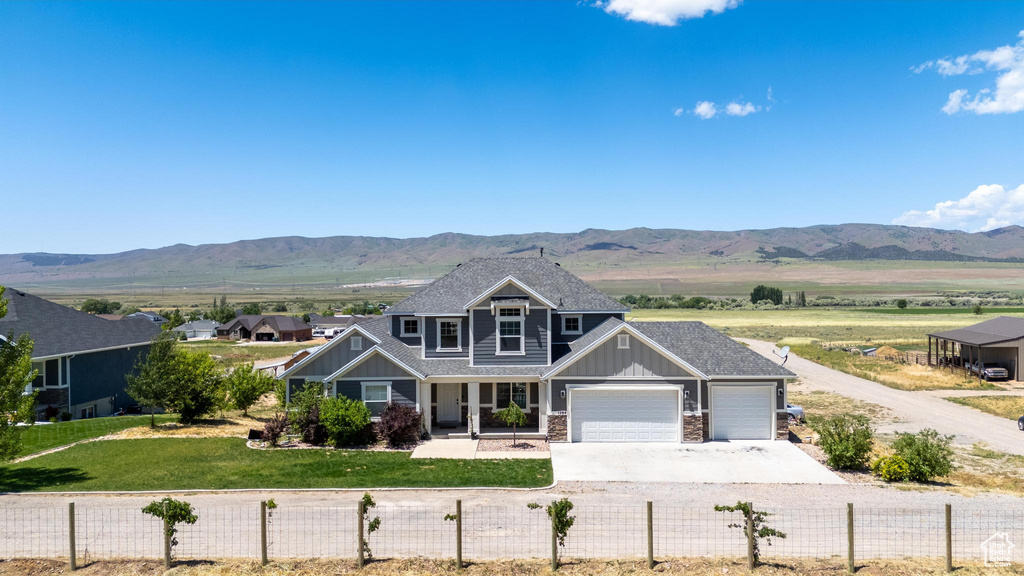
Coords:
pixel 1011 407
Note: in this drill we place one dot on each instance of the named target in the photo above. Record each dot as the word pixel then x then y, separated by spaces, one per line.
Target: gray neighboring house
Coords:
pixel 151 316
pixel 524 330
pixel 198 329
pixel 82 359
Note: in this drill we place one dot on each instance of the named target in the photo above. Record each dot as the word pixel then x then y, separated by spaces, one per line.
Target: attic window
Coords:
pixel 357 342
pixel 572 325
pixel 623 341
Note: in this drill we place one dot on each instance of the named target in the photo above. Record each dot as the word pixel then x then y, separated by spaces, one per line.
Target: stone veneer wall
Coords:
pixel 556 428
pixel 781 426
pixel 693 428
pixel 705 426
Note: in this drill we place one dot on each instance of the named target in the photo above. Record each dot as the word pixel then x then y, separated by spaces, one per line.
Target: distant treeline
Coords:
pixel 673 301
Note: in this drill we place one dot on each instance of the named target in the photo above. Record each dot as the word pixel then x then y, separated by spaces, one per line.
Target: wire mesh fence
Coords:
pixel 102 531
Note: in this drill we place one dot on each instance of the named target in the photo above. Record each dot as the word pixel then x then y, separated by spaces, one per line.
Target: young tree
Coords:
pixel 100 306
pixel 176 380
pixel 150 383
pixel 16 374
pixel 172 512
pixel 252 309
pixel 221 313
pixel 245 385
pixel 512 416
pixel 174 319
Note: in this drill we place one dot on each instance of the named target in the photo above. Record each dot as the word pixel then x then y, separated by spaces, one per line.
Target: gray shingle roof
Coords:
pixel 709 350
pixel 57 329
pixel 450 293
pixel 197 325
pixel 991 331
pixel 279 323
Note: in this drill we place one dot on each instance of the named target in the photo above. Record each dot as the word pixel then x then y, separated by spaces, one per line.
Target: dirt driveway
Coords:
pixel 914 410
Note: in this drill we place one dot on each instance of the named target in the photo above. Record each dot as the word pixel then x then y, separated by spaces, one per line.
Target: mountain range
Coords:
pixel 352 259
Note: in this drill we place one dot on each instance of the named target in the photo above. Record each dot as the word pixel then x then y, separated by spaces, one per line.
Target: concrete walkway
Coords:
pixel 466 450
pixel 914 410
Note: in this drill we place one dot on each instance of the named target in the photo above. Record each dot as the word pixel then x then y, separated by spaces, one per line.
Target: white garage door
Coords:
pixel 742 412
pixel 625 415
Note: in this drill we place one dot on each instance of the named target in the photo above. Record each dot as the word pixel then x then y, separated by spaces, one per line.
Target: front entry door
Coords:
pixel 448 402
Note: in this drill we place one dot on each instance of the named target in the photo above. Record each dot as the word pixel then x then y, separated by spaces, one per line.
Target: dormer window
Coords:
pixel 510 339
pixel 410 327
pixel 572 325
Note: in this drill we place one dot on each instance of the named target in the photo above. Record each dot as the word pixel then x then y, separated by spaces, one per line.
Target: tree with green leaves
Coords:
pixel 16 375
pixel 512 416
pixel 100 306
pixel 252 309
pixel 174 319
pixel 172 512
pixel 901 303
pixel 149 383
pixel 770 293
pixel 221 312
pixel 246 385
pixel 176 380
pixel 760 530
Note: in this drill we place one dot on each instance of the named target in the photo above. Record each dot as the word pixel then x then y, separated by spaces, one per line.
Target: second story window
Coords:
pixel 449 335
pixel 410 327
pixel 572 325
pixel 510 331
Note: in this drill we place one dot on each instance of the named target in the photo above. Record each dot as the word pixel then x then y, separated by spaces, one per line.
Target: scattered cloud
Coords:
pixel 678 111
pixel 664 12
pixel 740 109
pixel 705 110
pixel 1008 95
pixel 985 208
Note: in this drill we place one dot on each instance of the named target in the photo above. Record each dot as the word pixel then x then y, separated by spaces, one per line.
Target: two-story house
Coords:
pixel 524 330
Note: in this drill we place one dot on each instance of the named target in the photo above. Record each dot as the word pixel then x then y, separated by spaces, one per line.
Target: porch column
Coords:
pixel 474 405
pixel 425 402
pixel 544 408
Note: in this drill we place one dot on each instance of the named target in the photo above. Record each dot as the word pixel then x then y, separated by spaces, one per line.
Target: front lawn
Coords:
pixel 1011 407
pixel 223 463
pixel 39 437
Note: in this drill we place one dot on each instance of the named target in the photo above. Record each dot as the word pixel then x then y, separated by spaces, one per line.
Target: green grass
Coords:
pixel 224 463
pixel 39 437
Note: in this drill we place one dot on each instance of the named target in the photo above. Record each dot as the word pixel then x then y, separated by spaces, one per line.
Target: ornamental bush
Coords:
pixel 846 440
pixel 274 429
pixel 927 453
pixel 891 468
pixel 305 414
pixel 346 421
pixel 399 424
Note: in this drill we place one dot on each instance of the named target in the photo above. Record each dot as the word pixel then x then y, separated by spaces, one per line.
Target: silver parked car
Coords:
pixel 796 413
pixel 990 371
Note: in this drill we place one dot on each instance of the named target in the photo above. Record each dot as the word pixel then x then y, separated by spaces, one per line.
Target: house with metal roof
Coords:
pixel 81 359
pixel 995 343
pixel 498 331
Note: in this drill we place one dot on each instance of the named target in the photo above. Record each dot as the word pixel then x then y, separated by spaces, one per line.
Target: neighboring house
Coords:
pixel 995 342
pixel 198 329
pixel 261 328
pixel 151 316
pixel 524 330
pixel 109 316
pixel 82 359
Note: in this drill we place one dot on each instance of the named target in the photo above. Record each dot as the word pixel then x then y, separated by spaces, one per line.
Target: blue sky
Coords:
pixel 127 125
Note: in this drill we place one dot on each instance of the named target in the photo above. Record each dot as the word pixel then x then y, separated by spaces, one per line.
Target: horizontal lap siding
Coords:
pixel 101 375
pixel 559 404
pixel 535 343
pixel 396 330
pixel 332 359
pixel 589 321
pixel 430 340
pixel 402 391
pixel 637 361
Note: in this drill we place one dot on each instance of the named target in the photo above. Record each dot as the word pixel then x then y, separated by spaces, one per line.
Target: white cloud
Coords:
pixel 1008 95
pixel 664 12
pixel 705 110
pixel 738 109
pixel 985 208
pixel 678 111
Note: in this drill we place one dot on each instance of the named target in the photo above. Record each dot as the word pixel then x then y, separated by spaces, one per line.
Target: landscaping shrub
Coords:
pixel 399 424
pixel 246 385
pixel 274 429
pixel 759 525
pixel 891 468
pixel 846 440
pixel 305 414
pixel 173 512
pixel 346 421
pixel 927 454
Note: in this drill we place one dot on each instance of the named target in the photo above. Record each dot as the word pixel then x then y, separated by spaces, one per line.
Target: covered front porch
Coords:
pixel 459 409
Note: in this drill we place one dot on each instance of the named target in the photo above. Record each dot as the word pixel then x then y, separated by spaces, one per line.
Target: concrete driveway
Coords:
pixel 736 462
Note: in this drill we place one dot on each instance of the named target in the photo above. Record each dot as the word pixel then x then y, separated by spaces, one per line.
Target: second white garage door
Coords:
pixel 742 412
pixel 625 415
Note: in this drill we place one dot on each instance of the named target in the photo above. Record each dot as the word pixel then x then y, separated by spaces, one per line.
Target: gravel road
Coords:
pixel 914 410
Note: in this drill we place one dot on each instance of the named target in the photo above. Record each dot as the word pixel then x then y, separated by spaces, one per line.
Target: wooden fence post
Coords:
pixel 263 532
pixel 850 558
pixel 554 544
pixel 71 536
pixel 949 538
pixel 750 535
pixel 361 559
pixel 650 535
pixel 458 534
pixel 167 540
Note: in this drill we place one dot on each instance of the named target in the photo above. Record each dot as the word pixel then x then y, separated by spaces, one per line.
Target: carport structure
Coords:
pixel 997 341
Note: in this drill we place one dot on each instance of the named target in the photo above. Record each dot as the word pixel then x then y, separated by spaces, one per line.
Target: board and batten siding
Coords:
pixel 332 359
pixel 535 330
pixel 637 361
pixel 377 366
pixel 559 404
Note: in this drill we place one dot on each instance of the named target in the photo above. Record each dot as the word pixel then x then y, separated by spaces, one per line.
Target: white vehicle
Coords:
pixel 990 371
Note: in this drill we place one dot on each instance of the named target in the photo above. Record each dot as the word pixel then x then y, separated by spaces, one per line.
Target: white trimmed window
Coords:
pixel 40 381
pixel 357 342
pixel 506 392
pixel 410 327
pixel 449 335
pixel 376 396
pixel 623 341
pixel 510 338
pixel 572 325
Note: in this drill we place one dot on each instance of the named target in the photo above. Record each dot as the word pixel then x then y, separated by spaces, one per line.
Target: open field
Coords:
pixel 229 353
pixel 226 463
pixel 1011 407
pixel 419 567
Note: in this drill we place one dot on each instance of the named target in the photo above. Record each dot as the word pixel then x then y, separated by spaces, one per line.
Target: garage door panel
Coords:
pixel 625 415
pixel 742 412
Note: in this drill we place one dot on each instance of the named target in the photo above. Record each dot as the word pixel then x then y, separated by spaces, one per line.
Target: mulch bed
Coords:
pixel 494 445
